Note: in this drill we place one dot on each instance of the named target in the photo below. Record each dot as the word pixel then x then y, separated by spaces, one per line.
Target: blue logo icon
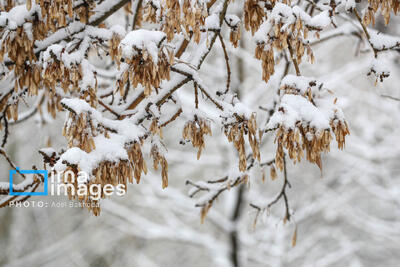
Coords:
pixel 42 172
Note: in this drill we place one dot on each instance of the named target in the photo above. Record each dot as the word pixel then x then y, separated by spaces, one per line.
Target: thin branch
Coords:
pixel 391 97
pixel 136 16
pixel 196 96
pixel 294 60
pixel 176 115
pixel 282 195
pixel 190 76
pixel 4 117
pixel 228 69
pixel 366 32
pixel 3 152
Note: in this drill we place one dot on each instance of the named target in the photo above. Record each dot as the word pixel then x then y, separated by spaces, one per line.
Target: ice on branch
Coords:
pixel 146 60
pixel 305 119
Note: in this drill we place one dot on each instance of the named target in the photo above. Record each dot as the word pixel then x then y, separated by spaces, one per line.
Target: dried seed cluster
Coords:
pixel 58 11
pixel 340 129
pixel 107 173
pixel 304 136
pixel 235 133
pixel 159 160
pixel 91 203
pixel 53 103
pixel 255 12
pixel 386 6
pixel 114 46
pixel 195 130
pixel 194 14
pixel 283 35
pixel 235 33
pixel 136 158
pixel 145 70
pixel 253 15
pixel 18 44
pixel 68 78
pixel 155 128
pixel 80 131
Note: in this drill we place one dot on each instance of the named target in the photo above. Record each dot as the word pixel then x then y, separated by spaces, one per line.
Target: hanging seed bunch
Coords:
pixel 155 128
pixel 194 13
pixel 235 33
pixel 150 12
pixel 106 173
pixel 136 158
pixel 159 160
pixel 114 44
pixel 191 16
pixel 71 76
pixel 58 73
pixel 79 130
pixel 256 11
pixel 272 172
pixel 18 36
pixel 285 28
pixel 11 107
pixel 386 6
pixel 195 130
pixel 254 15
pixel 235 132
pixel 82 128
pixel 147 60
pixel 113 173
pixel 90 201
pixel 53 103
pixel 305 120
pixel 58 12
pixel 117 34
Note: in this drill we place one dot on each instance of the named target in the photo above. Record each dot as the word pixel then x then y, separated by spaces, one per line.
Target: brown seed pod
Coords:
pixel 253 15
pixel 311 133
pixel 235 133
pixel 159 159
pixel 385 6
pixel 195 131
pixel 143 64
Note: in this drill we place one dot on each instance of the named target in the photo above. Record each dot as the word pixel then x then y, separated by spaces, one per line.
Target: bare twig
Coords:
pixel 294 60
pixel 176 115
pixel 366 32
pixel 282 195
pixel 3 152
pixel 136 15
pixel 228 69
pixel 391 97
